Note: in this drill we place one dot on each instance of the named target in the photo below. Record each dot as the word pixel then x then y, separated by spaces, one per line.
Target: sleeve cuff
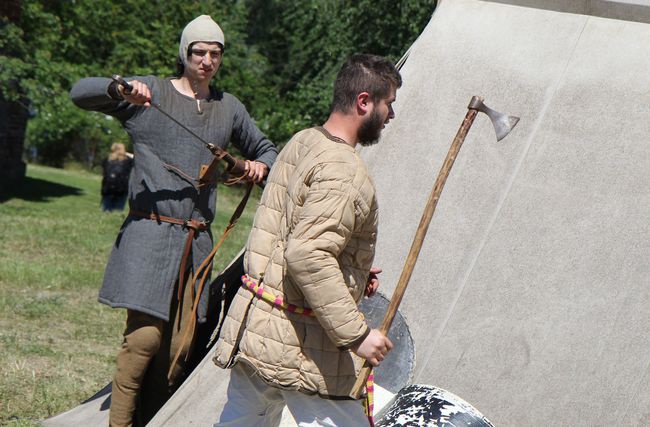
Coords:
pixel 358 341
pixel 113 92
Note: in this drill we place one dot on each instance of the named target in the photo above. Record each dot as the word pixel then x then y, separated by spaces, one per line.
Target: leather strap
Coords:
pixel 192 225
pixel 235 167
pixel 204 270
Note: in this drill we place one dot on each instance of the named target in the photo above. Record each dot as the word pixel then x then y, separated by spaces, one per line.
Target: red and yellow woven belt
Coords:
pixel 258 290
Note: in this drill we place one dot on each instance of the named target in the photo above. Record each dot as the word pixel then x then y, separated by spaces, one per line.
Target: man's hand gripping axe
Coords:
pixel 503 124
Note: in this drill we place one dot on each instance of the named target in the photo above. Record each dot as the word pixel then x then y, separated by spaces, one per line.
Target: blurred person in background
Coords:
pixel 115 178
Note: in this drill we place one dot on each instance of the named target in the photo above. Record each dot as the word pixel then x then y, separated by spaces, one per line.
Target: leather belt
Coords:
pixel 193 226
pixel 201 273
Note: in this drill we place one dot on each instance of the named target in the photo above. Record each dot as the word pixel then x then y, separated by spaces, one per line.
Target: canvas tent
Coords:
pixel 530 296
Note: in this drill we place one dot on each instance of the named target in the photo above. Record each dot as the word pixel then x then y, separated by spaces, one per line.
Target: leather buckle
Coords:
pixel 195 225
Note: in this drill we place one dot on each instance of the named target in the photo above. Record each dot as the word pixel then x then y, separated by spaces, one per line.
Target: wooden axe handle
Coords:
pixel 421 232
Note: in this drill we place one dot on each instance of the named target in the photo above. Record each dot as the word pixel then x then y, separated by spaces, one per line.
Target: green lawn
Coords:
pixel 57 343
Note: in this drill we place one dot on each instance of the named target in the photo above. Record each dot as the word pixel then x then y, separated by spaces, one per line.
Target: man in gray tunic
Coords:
pixel 169 209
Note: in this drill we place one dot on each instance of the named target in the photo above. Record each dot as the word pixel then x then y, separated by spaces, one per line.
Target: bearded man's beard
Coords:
pixel 370 130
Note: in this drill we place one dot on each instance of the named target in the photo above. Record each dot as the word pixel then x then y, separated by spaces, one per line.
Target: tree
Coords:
pixel 281 57
pixel 307 41
pixel 13 114
pixel 56 42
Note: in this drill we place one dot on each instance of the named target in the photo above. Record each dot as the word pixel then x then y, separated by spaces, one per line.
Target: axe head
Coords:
pixel 502 123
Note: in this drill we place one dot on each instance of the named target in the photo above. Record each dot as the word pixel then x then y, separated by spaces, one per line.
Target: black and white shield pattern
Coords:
pixel 421 405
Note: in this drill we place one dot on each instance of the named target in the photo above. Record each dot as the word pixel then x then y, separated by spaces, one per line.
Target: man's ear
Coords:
pixel 363 103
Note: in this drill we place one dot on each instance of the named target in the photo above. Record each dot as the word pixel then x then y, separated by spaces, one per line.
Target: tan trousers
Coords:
pixel 140 384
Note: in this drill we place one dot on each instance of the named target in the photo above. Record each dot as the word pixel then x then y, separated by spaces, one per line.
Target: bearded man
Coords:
pixel 294 335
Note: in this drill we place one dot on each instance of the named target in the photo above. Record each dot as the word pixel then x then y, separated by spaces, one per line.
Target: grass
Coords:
pixel 57 343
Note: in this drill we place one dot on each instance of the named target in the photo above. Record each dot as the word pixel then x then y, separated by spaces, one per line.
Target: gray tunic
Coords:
pixel 144 263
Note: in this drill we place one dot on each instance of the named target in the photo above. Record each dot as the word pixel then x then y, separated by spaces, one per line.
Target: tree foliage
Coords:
pixel 281 57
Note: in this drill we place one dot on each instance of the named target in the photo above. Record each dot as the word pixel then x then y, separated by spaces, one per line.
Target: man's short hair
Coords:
pixel 364 73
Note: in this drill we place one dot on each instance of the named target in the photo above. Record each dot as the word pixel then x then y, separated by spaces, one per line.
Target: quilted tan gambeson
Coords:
pixel 313 239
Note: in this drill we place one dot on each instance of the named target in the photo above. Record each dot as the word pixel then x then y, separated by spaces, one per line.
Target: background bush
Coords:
pixel 281 58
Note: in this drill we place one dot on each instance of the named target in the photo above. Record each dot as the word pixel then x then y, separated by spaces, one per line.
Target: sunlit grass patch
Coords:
pixel 57 343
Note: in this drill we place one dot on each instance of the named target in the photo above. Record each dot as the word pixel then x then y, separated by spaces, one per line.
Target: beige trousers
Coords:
pixel 140 384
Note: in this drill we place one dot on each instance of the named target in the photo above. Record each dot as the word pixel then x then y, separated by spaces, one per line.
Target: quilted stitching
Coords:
pixel 318 255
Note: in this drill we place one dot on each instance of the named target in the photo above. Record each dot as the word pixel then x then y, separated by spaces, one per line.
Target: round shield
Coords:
pixel 396 371
pixel 421 405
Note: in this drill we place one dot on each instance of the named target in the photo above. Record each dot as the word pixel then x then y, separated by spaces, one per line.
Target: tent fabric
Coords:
pixel 530 296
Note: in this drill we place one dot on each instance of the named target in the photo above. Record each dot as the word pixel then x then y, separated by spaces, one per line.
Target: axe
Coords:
pixel 503 124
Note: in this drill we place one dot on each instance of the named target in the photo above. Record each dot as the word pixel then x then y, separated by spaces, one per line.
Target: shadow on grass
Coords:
pixel 38 190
